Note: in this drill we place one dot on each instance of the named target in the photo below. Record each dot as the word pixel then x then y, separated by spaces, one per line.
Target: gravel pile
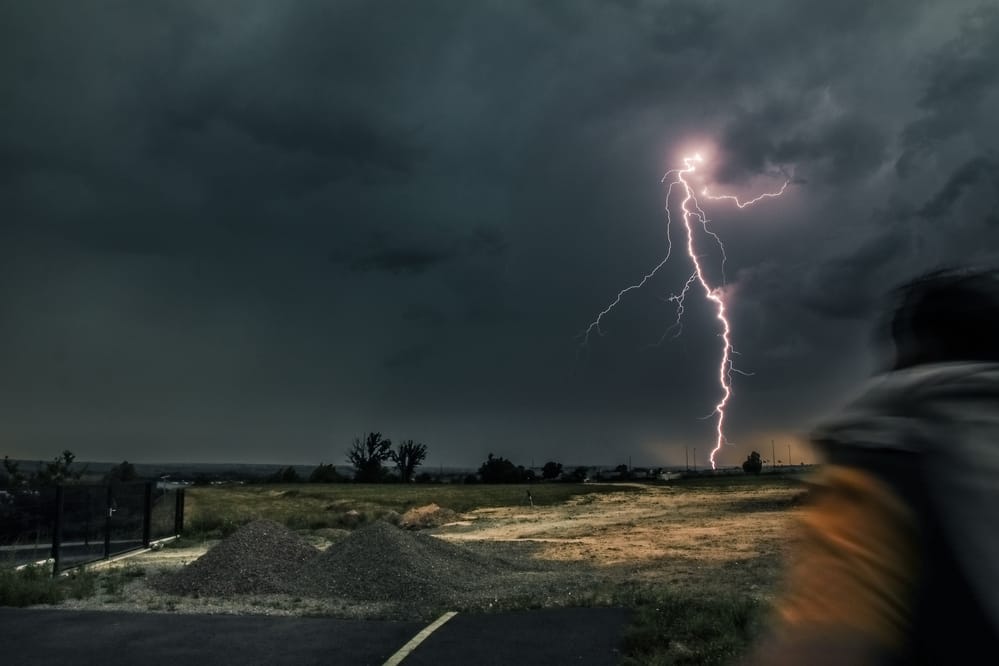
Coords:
pixel 261 557
pixel 379 570
pixel 381 562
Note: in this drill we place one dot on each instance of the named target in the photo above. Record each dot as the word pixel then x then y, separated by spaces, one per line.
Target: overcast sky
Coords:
pixel 246 230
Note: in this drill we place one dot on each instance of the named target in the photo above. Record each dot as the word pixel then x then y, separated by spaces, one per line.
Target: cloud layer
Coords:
pixel 250 231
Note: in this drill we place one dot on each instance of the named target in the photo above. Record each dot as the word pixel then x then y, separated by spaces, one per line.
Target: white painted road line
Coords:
pixel 404 651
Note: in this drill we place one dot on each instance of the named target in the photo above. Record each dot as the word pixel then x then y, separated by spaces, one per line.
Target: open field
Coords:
pixel 698 559
pixel 313 506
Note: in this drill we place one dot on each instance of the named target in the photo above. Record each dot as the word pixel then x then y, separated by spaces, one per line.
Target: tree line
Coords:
pixel 61 469
pixel 375 459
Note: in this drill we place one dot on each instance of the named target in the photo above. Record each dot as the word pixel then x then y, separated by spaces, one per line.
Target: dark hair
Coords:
pixel 947 315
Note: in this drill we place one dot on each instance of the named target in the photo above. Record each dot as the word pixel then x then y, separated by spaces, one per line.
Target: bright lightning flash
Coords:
pixel 691 210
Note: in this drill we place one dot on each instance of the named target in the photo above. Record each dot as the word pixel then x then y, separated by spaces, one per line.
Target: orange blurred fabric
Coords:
pixel 856 569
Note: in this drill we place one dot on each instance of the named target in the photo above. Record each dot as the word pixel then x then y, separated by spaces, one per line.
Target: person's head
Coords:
pixel 947 315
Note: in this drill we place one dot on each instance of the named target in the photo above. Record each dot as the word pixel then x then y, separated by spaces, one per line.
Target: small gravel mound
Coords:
pixel 381 562
pixel 260 557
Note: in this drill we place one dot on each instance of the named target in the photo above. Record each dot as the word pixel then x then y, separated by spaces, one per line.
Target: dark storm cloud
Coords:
pixel 424 314
pixel 228 224
pixel 687 26
pixel 958 79
pixel 416 260
pixel 411 356
pixel 981 170
pixel 849 287
pixel 402 261
pixel 295 140
pixel 787 132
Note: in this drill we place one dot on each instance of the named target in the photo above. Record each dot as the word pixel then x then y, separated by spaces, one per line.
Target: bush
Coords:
pixel 326 474
pixel 35 585
pixel 551 470
pixel 501 470
pixel 753 464
pixel 28 586
pixel 284 475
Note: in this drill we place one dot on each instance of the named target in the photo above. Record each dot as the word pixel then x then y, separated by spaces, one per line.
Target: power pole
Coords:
pixel 686 458
pixel 789 454
pixel 773 456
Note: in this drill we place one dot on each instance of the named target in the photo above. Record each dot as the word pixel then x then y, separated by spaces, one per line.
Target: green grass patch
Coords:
pixel 670 629
pixel 113 581
pixel 35 585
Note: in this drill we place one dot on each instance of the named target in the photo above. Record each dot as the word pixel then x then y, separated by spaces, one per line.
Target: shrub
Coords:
pixel 28 586
pixel 753 464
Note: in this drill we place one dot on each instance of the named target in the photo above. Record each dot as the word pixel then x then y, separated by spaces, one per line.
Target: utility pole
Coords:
pixel 789 453
pixel 686 458
pixel 773 455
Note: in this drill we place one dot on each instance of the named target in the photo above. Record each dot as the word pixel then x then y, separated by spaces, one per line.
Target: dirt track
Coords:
pixel 683 536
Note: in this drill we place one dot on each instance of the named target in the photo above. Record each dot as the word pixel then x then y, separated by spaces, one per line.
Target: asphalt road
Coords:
pixel 581 636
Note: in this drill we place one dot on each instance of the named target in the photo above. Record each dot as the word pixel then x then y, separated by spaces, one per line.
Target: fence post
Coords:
pixel 108 510
pixel 178 515
pixel 147 515
pixel 57 531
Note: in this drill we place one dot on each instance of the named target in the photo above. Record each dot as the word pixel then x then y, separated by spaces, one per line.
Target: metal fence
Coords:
pixel 76 524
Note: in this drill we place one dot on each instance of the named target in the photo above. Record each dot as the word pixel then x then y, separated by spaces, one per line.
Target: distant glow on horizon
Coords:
pixel 690 208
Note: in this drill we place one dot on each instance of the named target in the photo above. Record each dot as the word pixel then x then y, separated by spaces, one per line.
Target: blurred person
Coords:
pixel 898 561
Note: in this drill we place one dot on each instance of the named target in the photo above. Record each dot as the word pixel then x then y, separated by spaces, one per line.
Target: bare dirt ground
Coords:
pixel 682 537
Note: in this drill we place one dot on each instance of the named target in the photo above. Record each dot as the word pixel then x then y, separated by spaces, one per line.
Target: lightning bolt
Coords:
pixel 691 213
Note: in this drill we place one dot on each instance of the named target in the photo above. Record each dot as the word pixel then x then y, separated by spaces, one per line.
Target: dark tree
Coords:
pixel 551 470
pixel 325 474
pixel 285 475
pixel 407 456
pixel 14 477
pixel 497 470
pixel 579 474
pixel 753 464
pixel 501 470
pixel 367 457
pixel 124 471
pixel 59 470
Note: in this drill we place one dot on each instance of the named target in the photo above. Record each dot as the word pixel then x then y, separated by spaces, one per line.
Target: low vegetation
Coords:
pixel 672 629
pixel 35 585
pixel 216 511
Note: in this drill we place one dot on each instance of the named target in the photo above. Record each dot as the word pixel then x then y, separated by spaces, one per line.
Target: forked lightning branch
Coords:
pixel 691 214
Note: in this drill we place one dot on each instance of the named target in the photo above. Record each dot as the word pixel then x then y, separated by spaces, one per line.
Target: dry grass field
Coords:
pixel 691 536
pixel 698 558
